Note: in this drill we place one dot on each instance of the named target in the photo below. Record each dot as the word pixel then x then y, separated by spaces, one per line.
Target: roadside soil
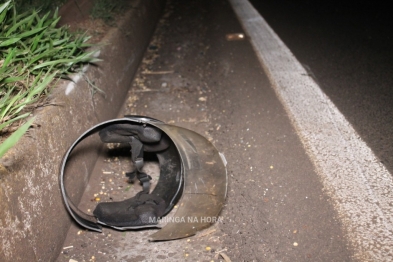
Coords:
pixel 192 76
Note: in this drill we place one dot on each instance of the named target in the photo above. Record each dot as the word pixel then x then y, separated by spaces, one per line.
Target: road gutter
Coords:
pixel 359 185
pixel 33 219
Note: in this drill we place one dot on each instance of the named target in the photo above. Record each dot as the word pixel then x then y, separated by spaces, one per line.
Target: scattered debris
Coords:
pixel 207 232
pixel 64 248
pixel 235 37
pixel 147 72
pixel 146 90
pixel 225 257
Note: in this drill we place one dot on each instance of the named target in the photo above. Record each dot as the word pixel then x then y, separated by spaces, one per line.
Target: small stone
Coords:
pixel 295 244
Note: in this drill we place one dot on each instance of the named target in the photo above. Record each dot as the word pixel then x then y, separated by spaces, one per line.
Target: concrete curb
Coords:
pixel 33 220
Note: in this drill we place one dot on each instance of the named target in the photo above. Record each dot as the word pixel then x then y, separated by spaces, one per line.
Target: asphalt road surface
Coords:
pixel 347 47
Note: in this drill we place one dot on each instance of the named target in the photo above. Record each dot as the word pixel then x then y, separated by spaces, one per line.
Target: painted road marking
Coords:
pixel 359 185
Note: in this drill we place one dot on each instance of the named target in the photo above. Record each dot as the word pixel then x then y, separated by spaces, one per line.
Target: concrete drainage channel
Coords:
pixel 108 182
pixel 33 221
pixel 192 76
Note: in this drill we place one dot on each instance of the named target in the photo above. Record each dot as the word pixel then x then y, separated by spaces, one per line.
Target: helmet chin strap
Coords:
pixel 136 135
pixel 137 160
pixel 144 208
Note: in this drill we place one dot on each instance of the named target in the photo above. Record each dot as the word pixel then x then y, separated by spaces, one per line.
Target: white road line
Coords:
pixel 360 186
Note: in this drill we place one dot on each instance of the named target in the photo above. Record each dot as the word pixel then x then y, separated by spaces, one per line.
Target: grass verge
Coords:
pixel 33 53
pixel 108 10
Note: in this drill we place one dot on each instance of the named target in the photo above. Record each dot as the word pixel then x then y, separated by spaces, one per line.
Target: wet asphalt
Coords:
pixel 192 76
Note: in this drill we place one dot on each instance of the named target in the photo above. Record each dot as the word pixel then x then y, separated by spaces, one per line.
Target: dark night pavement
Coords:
pixel 348 48
pixel 354 176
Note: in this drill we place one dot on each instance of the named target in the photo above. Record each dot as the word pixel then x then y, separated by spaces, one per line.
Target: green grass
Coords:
pixel 108 10
pixel 33 53
pixel 43 5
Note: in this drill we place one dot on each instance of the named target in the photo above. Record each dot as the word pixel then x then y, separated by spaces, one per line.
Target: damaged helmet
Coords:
pixel 192 175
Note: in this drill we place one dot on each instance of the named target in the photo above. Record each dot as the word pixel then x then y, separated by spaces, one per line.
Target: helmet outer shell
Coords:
pixel 203 179
pixel 205 185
